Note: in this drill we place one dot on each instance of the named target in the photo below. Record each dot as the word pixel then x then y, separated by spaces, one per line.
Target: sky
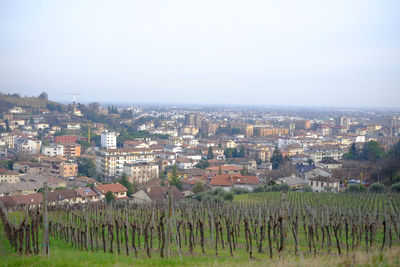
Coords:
pixel 268 52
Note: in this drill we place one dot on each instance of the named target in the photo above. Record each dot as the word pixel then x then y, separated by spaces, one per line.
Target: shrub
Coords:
pixel 239 191
pixel 395 187
pixel 307 188
pixel 283 187
pixel 377 188
pixel 356 188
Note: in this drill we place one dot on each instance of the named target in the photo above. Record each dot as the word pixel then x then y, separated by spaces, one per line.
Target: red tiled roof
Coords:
pixel 114 188
pixel 229 180
pixel 221 180
pixel 8 172
pixel 86 192
pixel 29 199
pixel 224 168
pixel 157 193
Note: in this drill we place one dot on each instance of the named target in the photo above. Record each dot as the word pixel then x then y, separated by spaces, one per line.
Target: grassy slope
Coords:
pixel 64 255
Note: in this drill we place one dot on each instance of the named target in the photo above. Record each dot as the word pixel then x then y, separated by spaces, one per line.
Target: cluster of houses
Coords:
pixel 67 196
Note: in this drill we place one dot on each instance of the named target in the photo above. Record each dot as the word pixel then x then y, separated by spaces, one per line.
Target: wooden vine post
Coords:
pixel 45 223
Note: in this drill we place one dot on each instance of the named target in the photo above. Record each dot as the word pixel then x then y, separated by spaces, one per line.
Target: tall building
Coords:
pixel 292 128
pixel 343 122
pixel 108 140
pixel 193 119
pixel 110 162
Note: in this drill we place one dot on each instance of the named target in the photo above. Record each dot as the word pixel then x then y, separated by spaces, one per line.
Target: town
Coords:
pixel 104 152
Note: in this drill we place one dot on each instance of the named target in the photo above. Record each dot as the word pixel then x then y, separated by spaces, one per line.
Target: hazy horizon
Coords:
pixel 281 53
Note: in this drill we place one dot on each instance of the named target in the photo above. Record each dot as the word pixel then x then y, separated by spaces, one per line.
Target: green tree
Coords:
pixel 86 167
pixel 84 144
pixel 244 170
pixel 175 179
pixel 372 151
pixel 242 152
pixel 276 158
pixel 210 154
pixel 109 197
pixel 198 188
pixel 202 164
pixel 44 96
pixel 128 185
pixel 352 154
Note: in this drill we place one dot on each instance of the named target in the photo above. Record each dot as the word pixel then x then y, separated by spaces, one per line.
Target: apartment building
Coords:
pixel 141 172
pixel 110 162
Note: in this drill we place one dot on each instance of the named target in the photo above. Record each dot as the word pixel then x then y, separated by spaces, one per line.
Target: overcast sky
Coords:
pixel 282 52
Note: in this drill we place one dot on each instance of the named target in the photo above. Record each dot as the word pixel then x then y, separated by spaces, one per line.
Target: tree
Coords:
pixel 128 185
pixel 175 180
pixel 372 151
pixel 203 164
pixel 210 154
pixel 276 158
pixel 242 152
pixel 84 144
pixel 352 154
pixel 228 196
pixel 110 197
pixel 86 167
pixel 244 170
pixel 198 188
pixel 44 96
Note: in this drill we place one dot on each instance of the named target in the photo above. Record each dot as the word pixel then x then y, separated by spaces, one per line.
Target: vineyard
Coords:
pixel 256 226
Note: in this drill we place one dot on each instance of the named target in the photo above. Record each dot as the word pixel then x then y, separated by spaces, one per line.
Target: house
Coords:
pixel 330 164
pixel 141 197
pixel 293 182
pixel 119 191
pixel 188 193
pixel 59 167
pixel 87 195
pixel 229 181
pixel 308 171
pixel 185 163
pixel 27 145
pixel 7 176
pixel 317 172
pixel 324 184
pixel 189 182
pixel 157 193
pixel 54 150
pixel 22 200
pixel 227 169
pixel 34 168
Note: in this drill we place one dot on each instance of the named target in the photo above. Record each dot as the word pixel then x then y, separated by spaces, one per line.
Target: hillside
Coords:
pixel 9 101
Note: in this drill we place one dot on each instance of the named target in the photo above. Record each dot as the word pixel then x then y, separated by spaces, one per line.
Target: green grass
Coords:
pixel 62 254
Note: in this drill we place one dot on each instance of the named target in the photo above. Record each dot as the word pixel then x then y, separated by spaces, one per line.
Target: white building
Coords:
pixel 28 146
pixel 55 150
pixel 141 173
pixel 324 184
pixel 108 140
